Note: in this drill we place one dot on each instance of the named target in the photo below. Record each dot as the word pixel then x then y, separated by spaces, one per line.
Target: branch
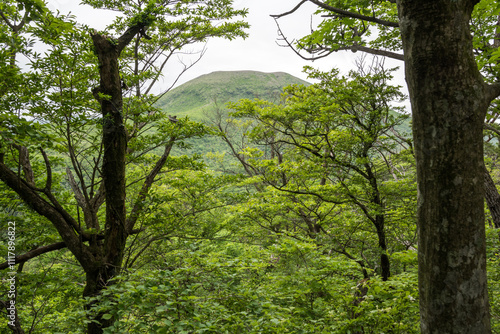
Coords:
pixel 55 203
pixel 128 35
pixel 492 91
pixel 377 52
pixel 24 161
pixel 289 12
pixel 15 28
pixel 139 253
pixel 39 251
pixel 6 20
pixel 496 40
pixel 354 48
pixel 186 67
pixel 363 207
pixel 44 208
pixel 48 182
pixel 139 202
pixel 139 126
pixel 491 128
pixel 104 42
pixel 325 52
pixel 89 207
pixel 355 15
pixel 306 193
pixel 34 253
pixel 290 45
pixel 76 190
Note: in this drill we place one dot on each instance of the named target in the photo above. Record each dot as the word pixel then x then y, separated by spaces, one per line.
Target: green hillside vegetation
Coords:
pixel 199 95
pixel 248 202
pixel 199 99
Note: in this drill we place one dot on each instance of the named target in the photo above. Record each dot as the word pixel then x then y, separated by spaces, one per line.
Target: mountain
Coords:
pixel 200 95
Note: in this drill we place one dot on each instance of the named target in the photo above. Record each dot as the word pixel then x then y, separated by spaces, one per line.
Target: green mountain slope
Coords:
pixel 198 98
pixel 200 95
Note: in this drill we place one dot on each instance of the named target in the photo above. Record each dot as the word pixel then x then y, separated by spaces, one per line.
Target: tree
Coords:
pixel 328 156
pixel 450 100
pixel 98 140
pixel 491 155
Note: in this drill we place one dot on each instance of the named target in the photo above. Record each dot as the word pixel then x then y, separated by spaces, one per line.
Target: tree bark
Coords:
pixel 492 198
pixel 114 139
pixel 385 264
pixel 449 100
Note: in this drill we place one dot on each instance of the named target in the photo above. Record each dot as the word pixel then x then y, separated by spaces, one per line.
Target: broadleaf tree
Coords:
pixel 328 154
pixel 88 98
pixel 451 90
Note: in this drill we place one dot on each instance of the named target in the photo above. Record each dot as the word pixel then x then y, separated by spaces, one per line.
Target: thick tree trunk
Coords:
pixel 96 281
pixel 109 256
pixel 449 103
pixel 114 141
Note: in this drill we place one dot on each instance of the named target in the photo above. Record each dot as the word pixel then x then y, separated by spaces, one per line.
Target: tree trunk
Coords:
pixel 378 220
pixel 492 198
pixel 114 139
pixel 385 264
pixel 96 281
pixel 449 101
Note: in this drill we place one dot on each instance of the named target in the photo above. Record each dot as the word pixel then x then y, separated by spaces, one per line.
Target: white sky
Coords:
pixel 258 52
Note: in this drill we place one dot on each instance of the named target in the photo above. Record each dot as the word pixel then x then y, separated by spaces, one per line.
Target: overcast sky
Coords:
pixel 259 52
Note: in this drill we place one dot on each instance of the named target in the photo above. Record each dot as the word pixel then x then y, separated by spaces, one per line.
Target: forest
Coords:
pixel 248 202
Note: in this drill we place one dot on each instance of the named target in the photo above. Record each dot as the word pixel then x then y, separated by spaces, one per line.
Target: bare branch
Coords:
pixel 24 161
pixel 290 45
pixel 355 15
pixel 48 182
pixel 291 11
pixel 139 253
pixel 76 190
pixel 186 67
pixel 322 51
pixel 377 52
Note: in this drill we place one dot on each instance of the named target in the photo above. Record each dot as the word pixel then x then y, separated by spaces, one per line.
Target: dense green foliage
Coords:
pixel 291 210
pixel 227 253
pixel 199 98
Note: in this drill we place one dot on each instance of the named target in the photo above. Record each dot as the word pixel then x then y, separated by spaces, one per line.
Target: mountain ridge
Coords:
pixel 217 88
pixel 199 98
